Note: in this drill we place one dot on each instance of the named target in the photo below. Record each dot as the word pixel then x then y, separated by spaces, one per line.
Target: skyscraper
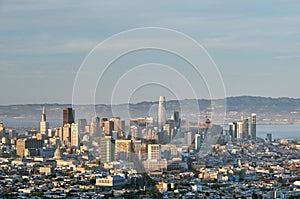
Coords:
pixel 44 125
pixel 95 126
pixel 75 136
pixel 66 134
pixel 197 142
pixel 123 149
pixel 107 149
pixel 253 126
pixel 269 137
pixel 245 128
pixel 176 119
pixel 154 152
pixel 239 130
pixel 68 116
pixel 161 117
pixel 108 127
pixel 20 148
pixel 231 130
pixel 118 126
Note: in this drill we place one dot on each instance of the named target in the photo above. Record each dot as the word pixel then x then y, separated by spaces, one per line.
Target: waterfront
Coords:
pixel 282 131
pixel 288 131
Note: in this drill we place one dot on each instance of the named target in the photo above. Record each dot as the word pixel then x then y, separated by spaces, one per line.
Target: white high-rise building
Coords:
pixel 75 136
pixel 154 152
pixel 239 130
pixel 44 125
pixel 161 117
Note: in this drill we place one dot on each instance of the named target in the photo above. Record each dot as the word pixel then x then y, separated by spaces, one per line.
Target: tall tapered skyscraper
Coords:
pixel 44 125
pixel 253 126
pixel 161 117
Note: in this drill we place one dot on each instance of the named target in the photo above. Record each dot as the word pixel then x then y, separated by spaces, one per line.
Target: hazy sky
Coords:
pixel 255 44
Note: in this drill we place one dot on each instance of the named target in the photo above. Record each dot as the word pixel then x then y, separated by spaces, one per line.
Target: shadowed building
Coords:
pixel 253 126
pixel 68 116
pixel 245 128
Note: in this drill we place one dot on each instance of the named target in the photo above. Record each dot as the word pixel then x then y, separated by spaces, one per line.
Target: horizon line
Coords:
pixel 70 104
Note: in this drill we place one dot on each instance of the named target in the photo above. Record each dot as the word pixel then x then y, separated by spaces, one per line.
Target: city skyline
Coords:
pixel 160 99
pixel 249 46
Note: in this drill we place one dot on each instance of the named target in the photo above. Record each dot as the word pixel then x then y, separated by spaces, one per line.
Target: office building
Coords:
pixel 107 149
pixel 59 133
pixel 253 126
pixel 119 125
pixel 197 142
pixel 34 143
pixel 111 181
pixel 239 130
pixel 108 127
pixel 75 136
pixel 102 120
pixel 68 116
pixel 66 134
pixel 123 149
pixel 95 126
pixel 154 152
pixel 245 128
pixel 20 148
pixel 231 130
pixel 269 137
pixel 176 119
pixel 167 133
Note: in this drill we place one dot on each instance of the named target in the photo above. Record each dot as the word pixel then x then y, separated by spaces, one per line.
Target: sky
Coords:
pixel 255 46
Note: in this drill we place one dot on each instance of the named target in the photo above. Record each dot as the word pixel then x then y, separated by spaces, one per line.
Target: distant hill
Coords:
pixel 268 110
